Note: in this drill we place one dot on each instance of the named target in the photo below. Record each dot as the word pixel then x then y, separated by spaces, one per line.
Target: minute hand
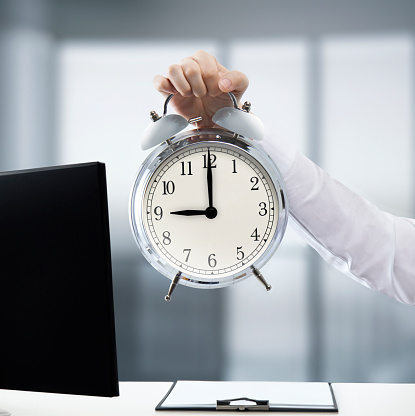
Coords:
pixel 209 180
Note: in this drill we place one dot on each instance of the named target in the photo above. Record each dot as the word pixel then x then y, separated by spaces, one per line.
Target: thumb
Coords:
pixel 163 85
pixel 233 81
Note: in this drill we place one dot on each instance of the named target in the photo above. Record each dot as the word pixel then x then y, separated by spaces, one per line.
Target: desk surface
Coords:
pixel 140 398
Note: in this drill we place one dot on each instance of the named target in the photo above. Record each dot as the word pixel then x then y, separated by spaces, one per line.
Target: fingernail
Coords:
pixel 226 83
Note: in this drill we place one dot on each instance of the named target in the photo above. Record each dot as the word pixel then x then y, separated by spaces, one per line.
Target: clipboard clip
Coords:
pixel 231 404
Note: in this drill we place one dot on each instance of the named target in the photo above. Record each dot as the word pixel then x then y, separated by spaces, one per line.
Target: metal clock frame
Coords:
pixel 158 156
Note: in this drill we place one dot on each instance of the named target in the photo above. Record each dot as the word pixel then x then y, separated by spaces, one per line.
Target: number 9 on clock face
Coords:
pixel 208 207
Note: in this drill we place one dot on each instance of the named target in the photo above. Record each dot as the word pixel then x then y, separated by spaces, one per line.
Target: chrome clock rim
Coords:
pixel 209 137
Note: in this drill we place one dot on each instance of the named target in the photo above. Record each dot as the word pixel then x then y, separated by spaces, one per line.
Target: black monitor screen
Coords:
pixel 57 329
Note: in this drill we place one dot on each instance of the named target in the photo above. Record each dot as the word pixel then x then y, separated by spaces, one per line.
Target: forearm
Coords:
pixel 365 243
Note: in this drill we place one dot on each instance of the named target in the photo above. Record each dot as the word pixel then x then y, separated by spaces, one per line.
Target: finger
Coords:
pixel 209 68
pixel 163 85
pixel 193 74
pixel 179 81
pixel 233 81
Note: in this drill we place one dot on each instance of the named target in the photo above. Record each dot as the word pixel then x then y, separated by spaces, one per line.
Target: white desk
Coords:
pixel 140 399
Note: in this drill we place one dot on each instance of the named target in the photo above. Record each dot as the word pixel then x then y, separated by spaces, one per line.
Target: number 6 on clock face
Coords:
pixel 210 206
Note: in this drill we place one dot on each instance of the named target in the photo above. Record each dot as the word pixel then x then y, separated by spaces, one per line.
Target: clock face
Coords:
pixel 209 210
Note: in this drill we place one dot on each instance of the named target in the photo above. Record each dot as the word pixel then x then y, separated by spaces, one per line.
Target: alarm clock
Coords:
pixel 208 207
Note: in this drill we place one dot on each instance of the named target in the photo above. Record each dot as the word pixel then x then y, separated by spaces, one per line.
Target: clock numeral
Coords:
pixel 158 212
pixel 166 238
pixel 168 187
pixel 255 235
pixel 212 161
pixel 239 253
pixel 212 261
pixel 189 168
pixel 188 253
pixel 255 181
pixel 234 166
pixel 263 210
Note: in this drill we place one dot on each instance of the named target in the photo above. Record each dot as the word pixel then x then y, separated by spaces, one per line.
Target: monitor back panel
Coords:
pixel 57 329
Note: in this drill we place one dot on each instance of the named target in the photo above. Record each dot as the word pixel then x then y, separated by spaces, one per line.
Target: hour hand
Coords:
pixel 189 212
pixel 209 212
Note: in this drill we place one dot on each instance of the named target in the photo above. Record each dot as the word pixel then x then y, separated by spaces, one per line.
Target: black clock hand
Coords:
pixel 189 212
pixel 209 180
pixel 210 212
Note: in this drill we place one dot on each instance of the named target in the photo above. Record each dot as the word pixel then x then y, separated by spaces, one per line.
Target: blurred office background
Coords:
pixel 336 78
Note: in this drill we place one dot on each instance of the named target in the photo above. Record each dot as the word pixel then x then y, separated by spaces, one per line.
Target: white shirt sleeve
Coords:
pixel 372 247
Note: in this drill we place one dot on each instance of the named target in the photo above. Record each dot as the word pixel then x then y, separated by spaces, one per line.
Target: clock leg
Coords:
pixel 261 278
pixel 173 285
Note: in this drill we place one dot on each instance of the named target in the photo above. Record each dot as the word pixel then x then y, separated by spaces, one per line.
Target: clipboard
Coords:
pixel 245 395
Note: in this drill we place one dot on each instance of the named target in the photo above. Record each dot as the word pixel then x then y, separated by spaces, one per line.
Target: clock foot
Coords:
pixel 261 278
pixel 173 285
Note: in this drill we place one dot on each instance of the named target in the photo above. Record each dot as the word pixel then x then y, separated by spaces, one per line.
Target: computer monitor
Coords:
pixel 57 331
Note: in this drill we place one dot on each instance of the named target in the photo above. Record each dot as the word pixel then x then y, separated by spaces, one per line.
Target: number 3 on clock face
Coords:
pixel 211 211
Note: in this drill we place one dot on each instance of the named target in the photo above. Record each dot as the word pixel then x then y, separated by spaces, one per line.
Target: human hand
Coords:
pixel 200 85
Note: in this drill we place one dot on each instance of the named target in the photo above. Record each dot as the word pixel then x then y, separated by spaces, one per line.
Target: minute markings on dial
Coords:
pixel 173 200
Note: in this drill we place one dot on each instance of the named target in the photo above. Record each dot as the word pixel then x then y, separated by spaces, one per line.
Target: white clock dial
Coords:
pixel 210 234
